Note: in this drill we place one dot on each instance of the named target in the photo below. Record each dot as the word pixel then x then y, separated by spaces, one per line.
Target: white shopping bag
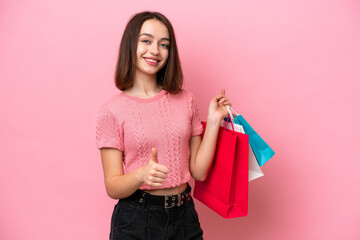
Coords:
pixel 254 168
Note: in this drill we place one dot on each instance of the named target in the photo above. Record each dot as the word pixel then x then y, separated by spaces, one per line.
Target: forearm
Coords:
pixel 205 154
pixel 122 186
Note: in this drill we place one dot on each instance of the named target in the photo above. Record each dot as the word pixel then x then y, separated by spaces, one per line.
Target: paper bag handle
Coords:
pixel 229 109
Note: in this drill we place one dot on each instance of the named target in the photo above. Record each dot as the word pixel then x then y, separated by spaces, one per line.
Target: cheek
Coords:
pixel 165 55
pixel 140 51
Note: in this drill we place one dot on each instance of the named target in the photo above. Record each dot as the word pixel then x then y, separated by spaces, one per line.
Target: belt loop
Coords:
pixel 180 201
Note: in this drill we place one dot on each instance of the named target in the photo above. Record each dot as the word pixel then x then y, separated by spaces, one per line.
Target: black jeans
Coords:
pixel 134 218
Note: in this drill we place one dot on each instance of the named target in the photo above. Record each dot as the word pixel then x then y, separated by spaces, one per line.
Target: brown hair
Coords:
pixel 170 76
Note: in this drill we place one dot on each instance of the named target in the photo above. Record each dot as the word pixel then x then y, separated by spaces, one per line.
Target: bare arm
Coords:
pixel 119 185
pixel 202 151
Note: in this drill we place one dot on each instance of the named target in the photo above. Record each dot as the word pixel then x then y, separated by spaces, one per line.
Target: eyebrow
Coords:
pixel 149 35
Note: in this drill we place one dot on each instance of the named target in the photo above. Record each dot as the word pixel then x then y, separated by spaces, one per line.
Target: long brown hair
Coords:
pixel 170 76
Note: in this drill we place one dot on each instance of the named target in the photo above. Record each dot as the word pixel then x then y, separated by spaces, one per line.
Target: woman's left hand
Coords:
pixel 217 109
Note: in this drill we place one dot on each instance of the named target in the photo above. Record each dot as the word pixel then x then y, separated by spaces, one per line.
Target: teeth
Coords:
pixel 151 60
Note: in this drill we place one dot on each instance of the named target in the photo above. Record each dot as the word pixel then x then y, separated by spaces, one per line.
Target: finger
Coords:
pixel 159 174
pixel 226 103
pixel 222 97
pixel 221 94
pixel 219 100
pixel 157 180
pixel 161 168
pixel 154 155
pixel 224 100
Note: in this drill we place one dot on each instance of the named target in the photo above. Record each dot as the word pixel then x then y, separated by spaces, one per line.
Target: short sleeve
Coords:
pixel 109 133
pixel 196 126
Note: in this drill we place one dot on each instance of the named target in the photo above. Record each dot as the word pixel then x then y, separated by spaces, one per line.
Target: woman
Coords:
pixel 149 137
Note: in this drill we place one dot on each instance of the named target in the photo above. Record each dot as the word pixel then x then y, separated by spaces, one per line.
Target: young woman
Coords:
pixel 149 137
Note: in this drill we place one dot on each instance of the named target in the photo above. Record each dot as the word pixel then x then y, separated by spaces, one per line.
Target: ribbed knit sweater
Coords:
pixel 165 122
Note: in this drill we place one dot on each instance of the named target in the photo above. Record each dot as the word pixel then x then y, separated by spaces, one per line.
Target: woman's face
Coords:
pixel 152 47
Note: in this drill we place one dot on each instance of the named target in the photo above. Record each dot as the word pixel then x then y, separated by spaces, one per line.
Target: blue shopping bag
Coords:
pixel 261 149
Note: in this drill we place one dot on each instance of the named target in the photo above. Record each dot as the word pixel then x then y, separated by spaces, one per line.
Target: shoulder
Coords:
pixel 183 93
pixel 183 97
pixel 113 104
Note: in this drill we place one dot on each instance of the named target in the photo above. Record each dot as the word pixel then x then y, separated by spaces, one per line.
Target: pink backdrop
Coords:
pixel 290 67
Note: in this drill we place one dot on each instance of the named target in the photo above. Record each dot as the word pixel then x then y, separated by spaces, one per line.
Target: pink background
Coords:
pixel 290 67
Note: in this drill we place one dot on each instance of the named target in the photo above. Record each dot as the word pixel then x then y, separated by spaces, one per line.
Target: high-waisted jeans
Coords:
pixel 138 217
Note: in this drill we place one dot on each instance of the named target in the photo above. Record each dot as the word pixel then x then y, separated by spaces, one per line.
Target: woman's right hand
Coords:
pixel 153 173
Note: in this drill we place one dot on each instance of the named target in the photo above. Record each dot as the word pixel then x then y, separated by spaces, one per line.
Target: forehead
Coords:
pixel 155 28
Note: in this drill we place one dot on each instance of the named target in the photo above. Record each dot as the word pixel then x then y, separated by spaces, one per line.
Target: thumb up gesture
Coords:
pixel 153 173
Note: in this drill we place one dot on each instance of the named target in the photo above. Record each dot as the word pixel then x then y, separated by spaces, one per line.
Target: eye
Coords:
pixel 145 41
pixel 165 45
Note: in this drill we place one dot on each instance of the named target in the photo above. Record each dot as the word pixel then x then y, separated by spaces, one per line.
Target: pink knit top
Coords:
pixel 165 122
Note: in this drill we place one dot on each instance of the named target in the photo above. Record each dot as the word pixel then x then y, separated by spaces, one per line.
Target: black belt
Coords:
pixel 168 201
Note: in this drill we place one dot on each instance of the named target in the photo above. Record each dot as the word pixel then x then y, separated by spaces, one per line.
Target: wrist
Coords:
pixel 140 175
pixel 213 120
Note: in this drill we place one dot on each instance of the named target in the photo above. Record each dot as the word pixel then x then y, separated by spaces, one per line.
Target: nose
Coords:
pixel 154 49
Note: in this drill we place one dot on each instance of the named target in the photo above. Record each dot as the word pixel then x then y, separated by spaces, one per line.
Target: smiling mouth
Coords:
pixel 152 62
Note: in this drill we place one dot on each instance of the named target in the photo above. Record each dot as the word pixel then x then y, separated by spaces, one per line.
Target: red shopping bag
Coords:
pixel 225 190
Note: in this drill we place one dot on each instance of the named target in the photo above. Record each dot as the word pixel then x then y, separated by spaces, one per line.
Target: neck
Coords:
pixel 144 86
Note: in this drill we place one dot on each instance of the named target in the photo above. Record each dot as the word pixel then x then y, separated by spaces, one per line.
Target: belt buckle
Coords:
pixel 172 200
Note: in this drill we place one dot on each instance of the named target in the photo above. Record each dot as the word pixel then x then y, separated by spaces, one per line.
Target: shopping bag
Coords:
pixel 254 168
pixel 261 149
pixel 225 190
